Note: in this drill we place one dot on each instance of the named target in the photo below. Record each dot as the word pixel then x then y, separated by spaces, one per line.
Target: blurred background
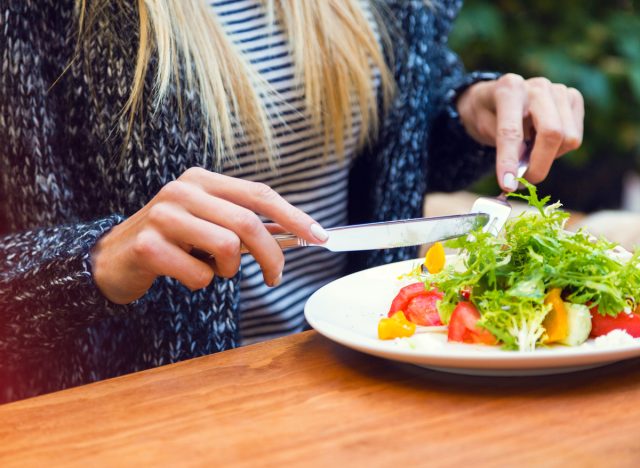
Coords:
pixel 591 45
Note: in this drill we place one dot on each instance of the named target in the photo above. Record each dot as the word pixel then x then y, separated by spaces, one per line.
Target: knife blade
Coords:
pixel 390 234
pixel 402 233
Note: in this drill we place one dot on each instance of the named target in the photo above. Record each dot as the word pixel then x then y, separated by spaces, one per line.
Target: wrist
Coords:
pixel 111 273
pixel 464 107
pixel 452 102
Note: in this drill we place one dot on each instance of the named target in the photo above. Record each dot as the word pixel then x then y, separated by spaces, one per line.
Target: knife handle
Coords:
pixel 285 241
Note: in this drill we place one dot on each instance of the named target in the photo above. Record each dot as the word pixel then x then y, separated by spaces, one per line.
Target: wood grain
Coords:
pixel 305 401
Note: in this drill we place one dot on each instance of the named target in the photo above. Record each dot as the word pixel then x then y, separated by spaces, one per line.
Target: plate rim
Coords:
pixel 498 359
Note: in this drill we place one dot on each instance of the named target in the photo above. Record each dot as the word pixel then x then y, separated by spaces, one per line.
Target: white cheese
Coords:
pixel 613 339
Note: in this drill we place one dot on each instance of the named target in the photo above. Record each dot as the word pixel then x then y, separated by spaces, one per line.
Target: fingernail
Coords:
pixel 276 281
pixel 319 233
pixel 509 181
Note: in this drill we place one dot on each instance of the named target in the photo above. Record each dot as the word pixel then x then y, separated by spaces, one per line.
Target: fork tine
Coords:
pixel 499 208
pixel 498 211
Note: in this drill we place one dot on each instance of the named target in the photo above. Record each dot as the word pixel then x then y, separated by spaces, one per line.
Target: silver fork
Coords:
pixel 498 208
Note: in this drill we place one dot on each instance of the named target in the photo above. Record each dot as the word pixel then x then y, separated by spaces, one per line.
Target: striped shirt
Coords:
pixel 304 177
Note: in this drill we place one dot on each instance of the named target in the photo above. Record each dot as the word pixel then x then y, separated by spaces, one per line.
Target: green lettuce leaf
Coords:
pixel 509 276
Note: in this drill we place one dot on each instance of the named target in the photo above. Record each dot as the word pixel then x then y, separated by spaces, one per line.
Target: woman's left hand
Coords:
pixel 506 112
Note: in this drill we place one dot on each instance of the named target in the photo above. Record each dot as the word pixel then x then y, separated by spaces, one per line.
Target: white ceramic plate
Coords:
pixel 348 310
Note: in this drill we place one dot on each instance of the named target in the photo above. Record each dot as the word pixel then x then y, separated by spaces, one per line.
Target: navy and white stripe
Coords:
pixel 305 177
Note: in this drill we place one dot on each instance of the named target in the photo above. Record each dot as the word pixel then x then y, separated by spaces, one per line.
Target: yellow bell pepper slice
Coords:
pixel 434 259
pixel 396 326
pixel 556 323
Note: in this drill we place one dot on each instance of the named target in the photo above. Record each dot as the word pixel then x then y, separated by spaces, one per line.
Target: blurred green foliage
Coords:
pixel 591 45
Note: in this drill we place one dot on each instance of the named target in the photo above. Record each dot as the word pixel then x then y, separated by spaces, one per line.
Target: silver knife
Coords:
pixel 390 234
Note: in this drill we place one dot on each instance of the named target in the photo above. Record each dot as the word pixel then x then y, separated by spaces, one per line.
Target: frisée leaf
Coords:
pixel 508 276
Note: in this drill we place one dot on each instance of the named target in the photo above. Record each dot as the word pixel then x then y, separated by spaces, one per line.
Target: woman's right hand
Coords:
pixel 203 210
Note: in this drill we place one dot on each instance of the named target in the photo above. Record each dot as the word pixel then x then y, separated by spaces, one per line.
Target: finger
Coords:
pixel 251 231
pixel 162 257
pixel 548 127
pixel 189 231
pixel 242 222
pixel 577 108
pixel 572 138
pixel 510 99
pixel 259 198
pixel 274 228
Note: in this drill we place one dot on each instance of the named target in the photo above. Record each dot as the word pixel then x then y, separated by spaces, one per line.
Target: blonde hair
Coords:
pixel 334 49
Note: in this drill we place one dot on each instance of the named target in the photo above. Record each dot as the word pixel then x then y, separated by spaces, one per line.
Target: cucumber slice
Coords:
pixel 579 324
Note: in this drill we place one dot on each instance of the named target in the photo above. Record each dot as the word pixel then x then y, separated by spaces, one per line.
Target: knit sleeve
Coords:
pixel 455 159
pixel 46 285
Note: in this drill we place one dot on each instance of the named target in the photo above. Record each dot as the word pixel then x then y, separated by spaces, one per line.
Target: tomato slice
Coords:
pixel 422 309
pixel 403 297
pixel 418 304
pixel 463 326
pixel 603 324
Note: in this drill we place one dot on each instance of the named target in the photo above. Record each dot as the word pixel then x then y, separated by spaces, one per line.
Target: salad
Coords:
pixel 534 285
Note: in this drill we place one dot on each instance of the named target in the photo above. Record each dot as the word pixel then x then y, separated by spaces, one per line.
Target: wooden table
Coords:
pixel 306 401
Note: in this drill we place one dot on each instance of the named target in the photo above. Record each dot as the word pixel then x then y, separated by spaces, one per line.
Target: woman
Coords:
pixel 134 136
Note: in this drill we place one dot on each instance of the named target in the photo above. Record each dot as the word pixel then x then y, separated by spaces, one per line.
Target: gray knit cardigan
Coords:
pixel 63 185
